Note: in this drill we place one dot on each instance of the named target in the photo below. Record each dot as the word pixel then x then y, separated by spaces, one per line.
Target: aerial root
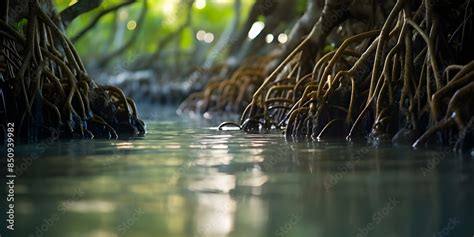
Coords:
pixel 400 66
pixel 57 83
pixel 391 83
pixel 228 95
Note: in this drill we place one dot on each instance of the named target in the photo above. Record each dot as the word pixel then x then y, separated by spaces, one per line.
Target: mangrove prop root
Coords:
pixel 228 95
pixel 393 79
pixel 48 88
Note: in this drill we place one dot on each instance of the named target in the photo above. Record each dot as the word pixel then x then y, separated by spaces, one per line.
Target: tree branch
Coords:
pixel 227 36
pixel 96 19
pixel 168 38
pixel 106 59
pixel 81 7
pixel 258 9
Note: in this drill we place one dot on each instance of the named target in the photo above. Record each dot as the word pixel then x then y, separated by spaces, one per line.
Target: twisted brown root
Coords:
pixel 402 70
pixel 230 95
pixel 50 90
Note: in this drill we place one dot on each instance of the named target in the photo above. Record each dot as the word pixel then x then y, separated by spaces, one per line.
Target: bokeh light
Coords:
pixel 131 25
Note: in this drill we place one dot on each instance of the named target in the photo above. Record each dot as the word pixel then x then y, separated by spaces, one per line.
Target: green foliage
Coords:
pixel 21 24
pixel 163 18
pixel 329 47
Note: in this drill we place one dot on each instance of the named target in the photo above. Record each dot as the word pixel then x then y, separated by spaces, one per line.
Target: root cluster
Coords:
pixel 229 94
pixel 47 92
pixel 408 81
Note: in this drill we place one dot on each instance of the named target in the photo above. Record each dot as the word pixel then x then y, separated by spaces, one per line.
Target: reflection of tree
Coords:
pixel 364 190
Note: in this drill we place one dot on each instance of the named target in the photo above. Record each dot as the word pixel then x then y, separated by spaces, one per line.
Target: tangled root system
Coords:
pixel 231 94
pixel 408 81
pixel 46 90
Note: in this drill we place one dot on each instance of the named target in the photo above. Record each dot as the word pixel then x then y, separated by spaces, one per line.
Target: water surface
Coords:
pixel 185 178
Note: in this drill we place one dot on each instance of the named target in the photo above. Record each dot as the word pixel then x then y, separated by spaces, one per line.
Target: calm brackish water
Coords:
pixel 185 178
